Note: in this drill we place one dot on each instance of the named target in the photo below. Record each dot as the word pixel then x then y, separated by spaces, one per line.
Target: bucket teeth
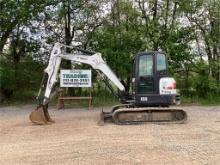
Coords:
pixel 41 116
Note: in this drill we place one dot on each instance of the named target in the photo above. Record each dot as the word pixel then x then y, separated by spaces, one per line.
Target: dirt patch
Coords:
pixel 76 138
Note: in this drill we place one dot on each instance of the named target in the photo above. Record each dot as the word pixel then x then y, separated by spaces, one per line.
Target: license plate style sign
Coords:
pixel 144 98
pixel 75 78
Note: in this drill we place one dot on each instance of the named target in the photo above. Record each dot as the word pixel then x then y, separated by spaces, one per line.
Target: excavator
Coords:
pixel 153 91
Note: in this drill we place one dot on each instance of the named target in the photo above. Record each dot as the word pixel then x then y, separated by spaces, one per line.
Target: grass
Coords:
pixel 207 101
pixel 21 98
pixel 101 98
pixel 29 97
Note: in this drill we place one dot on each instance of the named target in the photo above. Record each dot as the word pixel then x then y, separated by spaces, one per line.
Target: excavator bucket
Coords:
pixel 41 116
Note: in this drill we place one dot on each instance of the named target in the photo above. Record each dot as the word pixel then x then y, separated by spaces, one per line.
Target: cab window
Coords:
pixel 161 64
pixel 146 65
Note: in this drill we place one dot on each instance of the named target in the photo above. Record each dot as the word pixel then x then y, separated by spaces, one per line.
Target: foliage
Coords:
pixel 7 77
pixel 119 39
pixel 18 78
pixel 188 31
pixel 204 84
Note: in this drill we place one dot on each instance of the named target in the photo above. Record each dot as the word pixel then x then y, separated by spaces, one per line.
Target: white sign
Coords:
pixel 75 78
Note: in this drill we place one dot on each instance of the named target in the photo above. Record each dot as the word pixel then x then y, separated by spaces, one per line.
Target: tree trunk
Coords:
pixel 68 39
pixel 155 22
pixel 174 14
pixel 155 10
pixel 6 34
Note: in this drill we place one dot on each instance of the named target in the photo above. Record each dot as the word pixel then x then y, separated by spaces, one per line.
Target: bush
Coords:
pixel 7 79
pixel 205 86
pixel 23 76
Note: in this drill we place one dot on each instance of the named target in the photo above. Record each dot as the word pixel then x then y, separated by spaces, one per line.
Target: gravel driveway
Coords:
pixel 76 138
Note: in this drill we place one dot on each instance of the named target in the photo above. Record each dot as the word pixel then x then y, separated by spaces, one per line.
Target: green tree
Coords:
pixel 120 38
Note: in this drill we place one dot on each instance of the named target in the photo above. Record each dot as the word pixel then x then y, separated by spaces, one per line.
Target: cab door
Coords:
pixel 149 68
pixel 145 74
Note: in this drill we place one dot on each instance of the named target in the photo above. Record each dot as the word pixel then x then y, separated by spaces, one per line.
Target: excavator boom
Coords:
pixel 41 115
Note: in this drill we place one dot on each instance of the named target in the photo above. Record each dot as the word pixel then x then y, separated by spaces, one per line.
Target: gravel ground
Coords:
pixel 76 138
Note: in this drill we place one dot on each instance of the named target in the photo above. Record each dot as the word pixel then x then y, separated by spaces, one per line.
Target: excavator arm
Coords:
pixel 51 74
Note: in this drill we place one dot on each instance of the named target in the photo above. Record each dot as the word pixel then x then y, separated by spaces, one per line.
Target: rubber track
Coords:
pixel 148 109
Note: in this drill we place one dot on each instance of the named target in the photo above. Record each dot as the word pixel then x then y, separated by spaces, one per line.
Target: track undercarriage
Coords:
pixel 127 114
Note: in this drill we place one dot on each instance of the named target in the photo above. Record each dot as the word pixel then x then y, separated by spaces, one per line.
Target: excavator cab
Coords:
pixel 148 69
pixel 153 92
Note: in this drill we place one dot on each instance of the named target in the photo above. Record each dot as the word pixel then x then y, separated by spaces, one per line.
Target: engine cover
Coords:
pixel 167 86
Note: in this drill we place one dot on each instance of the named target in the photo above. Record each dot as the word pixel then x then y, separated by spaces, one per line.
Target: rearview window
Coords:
pixel 161 63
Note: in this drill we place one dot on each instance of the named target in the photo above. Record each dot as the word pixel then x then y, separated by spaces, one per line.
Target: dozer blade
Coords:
pixel 104 117
pixel 101 121
pixel 41 116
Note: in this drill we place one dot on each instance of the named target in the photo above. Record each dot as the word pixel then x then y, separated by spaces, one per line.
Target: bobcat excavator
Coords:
pixel 152 90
